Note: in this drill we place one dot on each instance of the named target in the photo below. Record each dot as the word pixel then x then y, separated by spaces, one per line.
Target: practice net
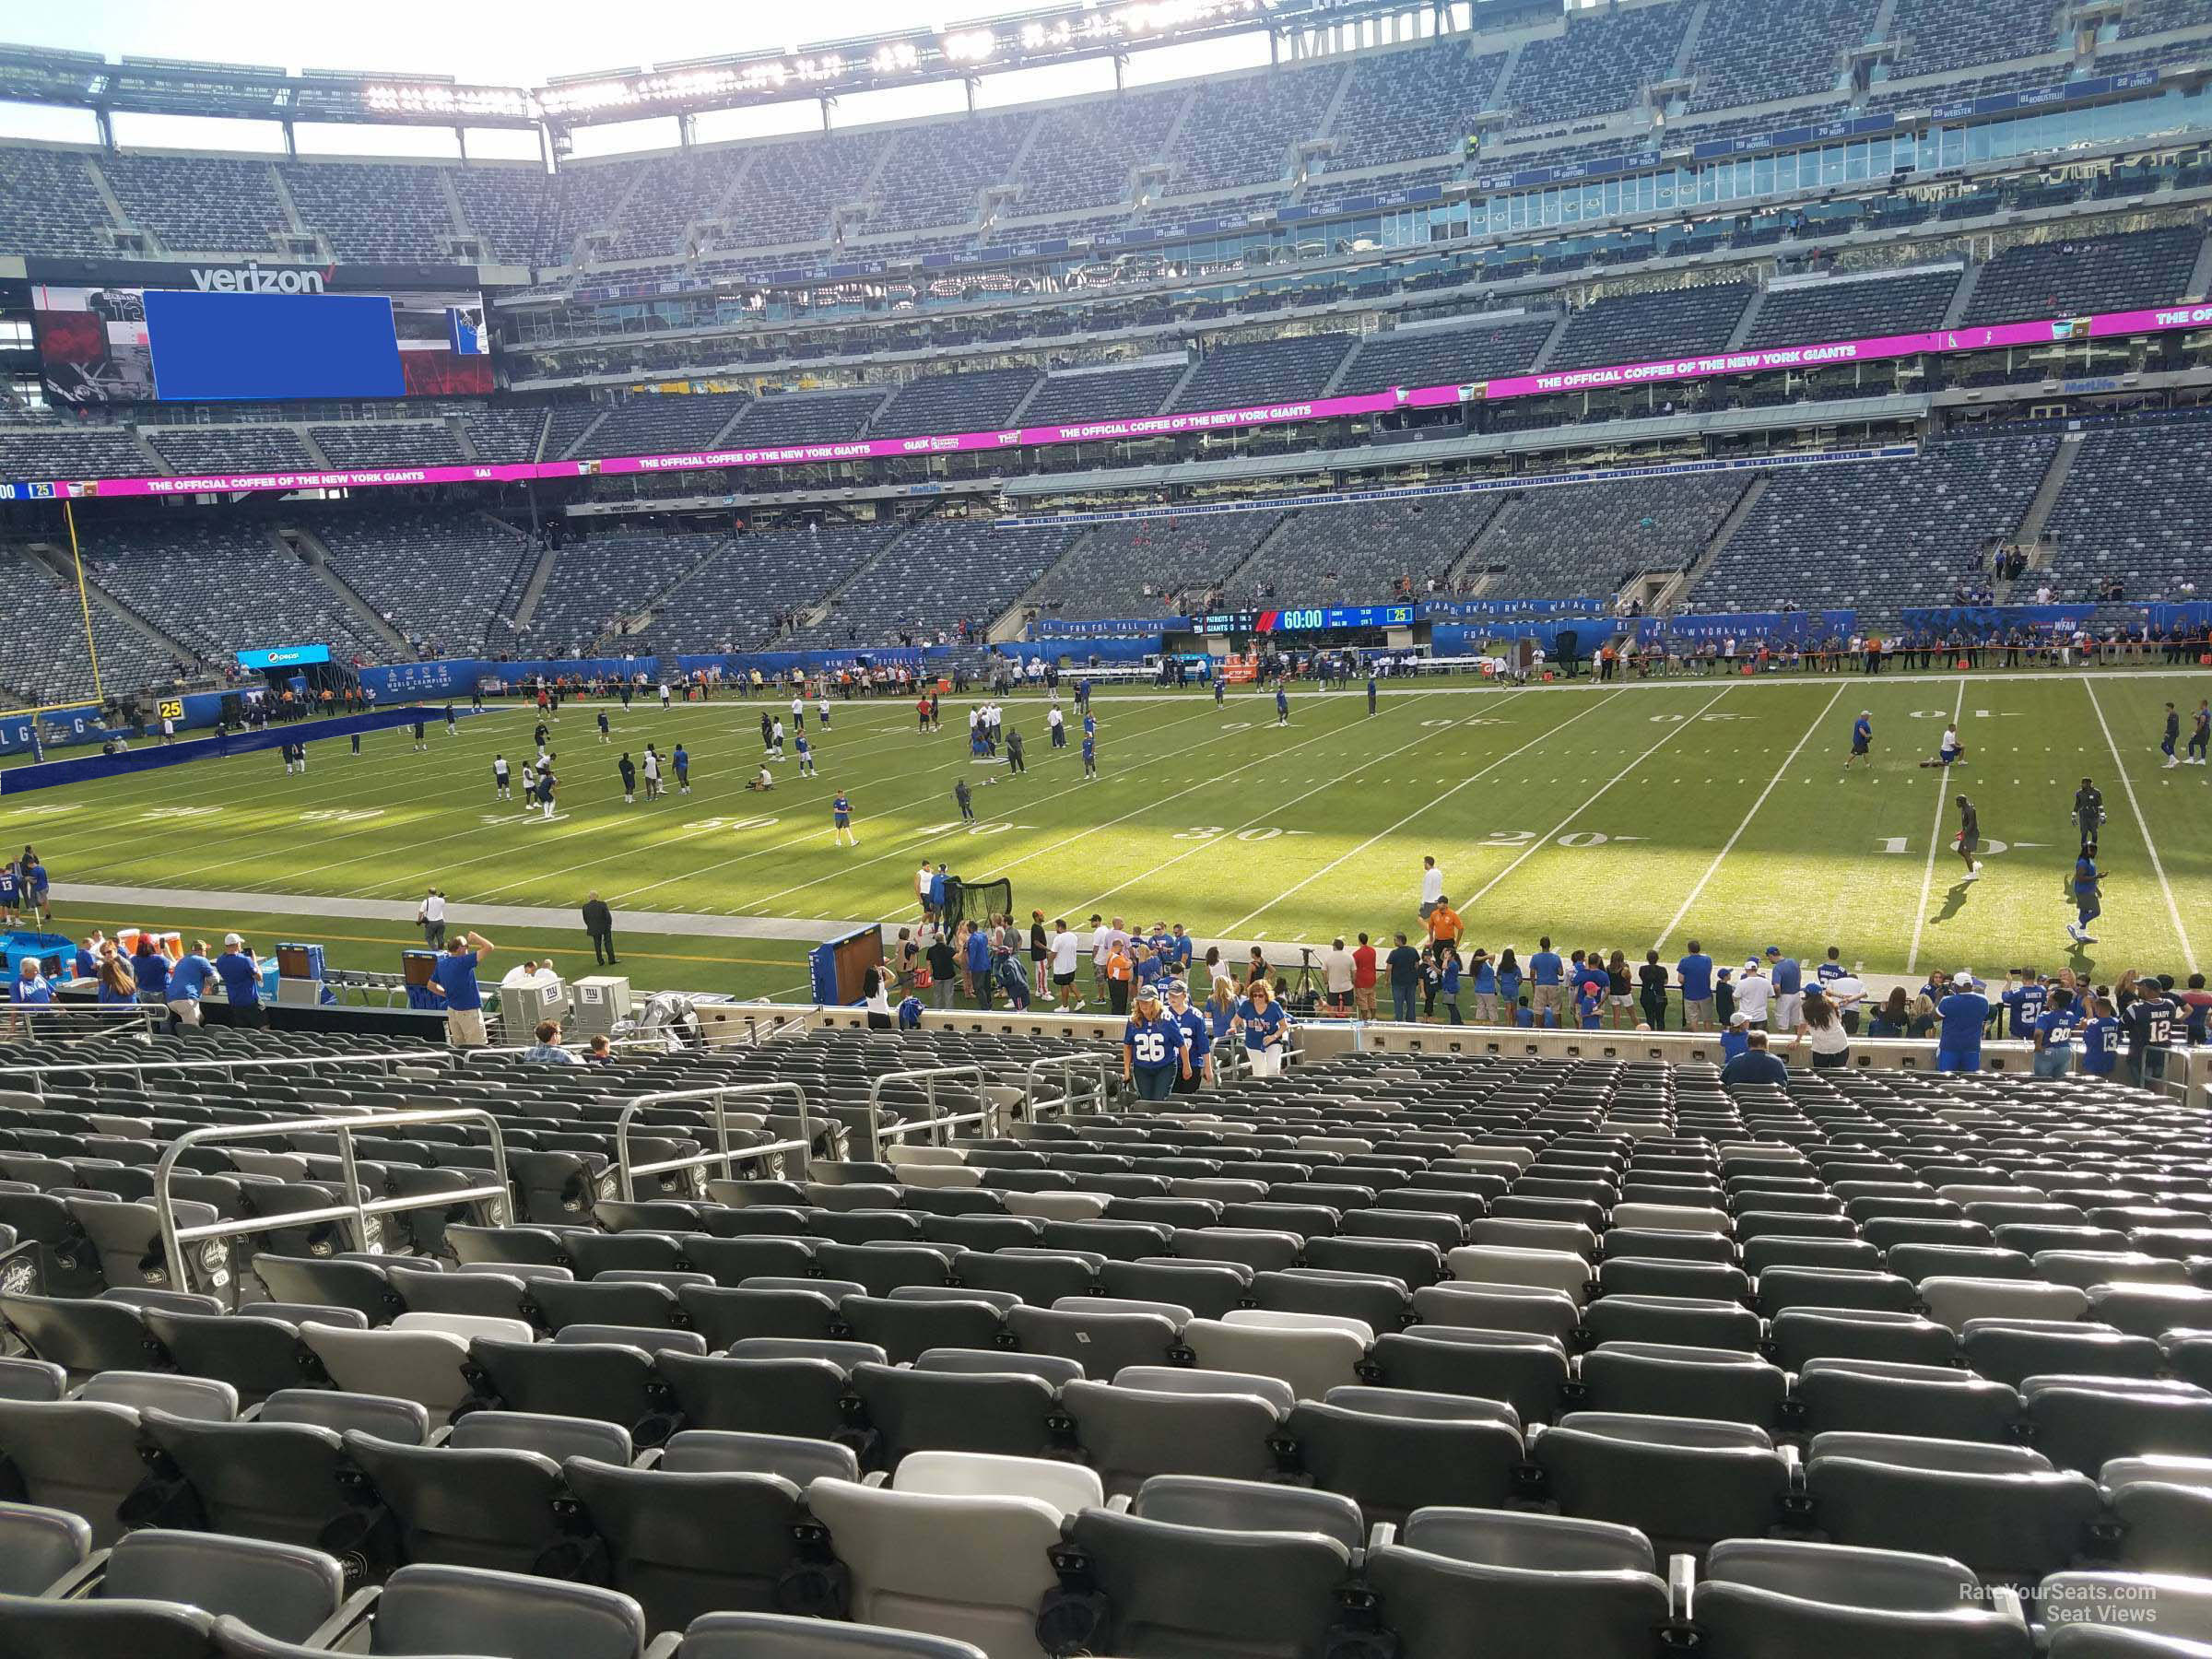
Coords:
pixel 976 901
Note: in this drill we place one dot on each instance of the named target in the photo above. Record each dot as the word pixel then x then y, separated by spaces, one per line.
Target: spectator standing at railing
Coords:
pixel 150 968
pixel 241 972
pixel 1405 964
pixel 187 984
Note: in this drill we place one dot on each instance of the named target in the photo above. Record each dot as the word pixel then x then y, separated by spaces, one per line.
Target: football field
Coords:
pixel 1626 817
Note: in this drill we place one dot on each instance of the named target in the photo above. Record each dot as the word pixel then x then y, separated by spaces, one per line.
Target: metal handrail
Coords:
pixel 175 1238
pixel 728 1158
pixel 138 1068
pixel 89 1020
pixel 1066 1065
pixel 469 1056
pixel 985 1114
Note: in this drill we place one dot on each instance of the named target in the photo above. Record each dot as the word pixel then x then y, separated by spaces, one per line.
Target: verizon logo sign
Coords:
pixel 254 279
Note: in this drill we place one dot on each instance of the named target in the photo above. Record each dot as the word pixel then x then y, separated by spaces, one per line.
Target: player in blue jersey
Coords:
pixel 682 758
pixel 2089 895
pixel 1282 707
pixel 1862 740
pixel 1090 724
pixel 841 820
pixel 1220 689
pixel 1090 755
pixel 806 756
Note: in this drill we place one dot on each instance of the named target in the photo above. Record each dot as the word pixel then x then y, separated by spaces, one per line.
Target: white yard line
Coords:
pixel 1425 806
pixel 1274 809
pixel 903 837
pixel 1207 782
pixel 1546 839
pixel 1928 875
pixel 1729 846
pixel 2158 864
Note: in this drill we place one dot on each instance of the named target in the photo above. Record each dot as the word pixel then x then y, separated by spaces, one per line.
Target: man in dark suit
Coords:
pixel 599 922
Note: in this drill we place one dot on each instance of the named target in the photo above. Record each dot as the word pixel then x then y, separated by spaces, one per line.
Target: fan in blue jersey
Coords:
pixel 2053 1031
pixel 1198 1040
pixel 1963 1013
pixel 1154 1050
pixel 1267 1027
pixel 2099 1033
pixel 2024 1004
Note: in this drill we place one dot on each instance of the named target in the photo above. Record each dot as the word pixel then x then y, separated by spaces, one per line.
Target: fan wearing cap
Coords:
pixel 1197 1041
pixel 241 972
pixel 1153 1053
pixel 1735 1037
pixel 1787 976
pixel 1754 990
pixel 1963 1013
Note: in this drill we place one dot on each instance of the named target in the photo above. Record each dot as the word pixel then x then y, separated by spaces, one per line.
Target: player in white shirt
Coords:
pixel 663 695
pixel 775 739
pixel 922 887
pixel 652 773
pixel 821 710
pixel 500 779
pixel 798 713
pixel 1057 725
pixel 1433 887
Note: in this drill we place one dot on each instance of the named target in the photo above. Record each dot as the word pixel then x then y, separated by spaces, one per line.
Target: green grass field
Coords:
pixel 1608 817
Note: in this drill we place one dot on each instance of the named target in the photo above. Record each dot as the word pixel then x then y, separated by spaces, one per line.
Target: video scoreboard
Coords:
pixel 1316 619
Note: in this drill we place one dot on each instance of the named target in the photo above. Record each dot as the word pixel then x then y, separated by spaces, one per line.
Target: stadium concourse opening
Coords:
pixel 1347 827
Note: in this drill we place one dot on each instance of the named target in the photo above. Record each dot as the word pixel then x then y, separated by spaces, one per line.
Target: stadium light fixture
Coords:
pixel 971 46
pixel 458 102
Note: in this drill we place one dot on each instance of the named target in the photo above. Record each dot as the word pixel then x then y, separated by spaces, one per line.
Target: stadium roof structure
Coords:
pixel 254 91
pixel 818 70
